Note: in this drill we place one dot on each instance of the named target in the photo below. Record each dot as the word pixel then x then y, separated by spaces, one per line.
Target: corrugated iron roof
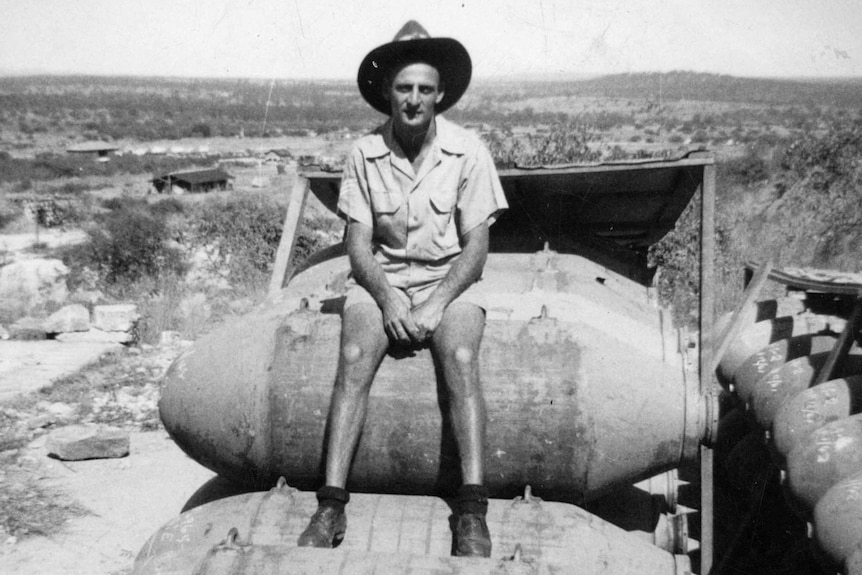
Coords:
pixel 92 147
pixel 194 177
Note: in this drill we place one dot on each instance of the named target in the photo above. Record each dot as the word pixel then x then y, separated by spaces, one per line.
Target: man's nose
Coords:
pixel 413 98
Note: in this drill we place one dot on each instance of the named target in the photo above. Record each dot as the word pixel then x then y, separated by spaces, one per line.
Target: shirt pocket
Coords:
pixel 386 203
pixel 443 201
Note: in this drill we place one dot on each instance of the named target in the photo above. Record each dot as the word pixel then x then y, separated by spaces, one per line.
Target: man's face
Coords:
pixel 414 92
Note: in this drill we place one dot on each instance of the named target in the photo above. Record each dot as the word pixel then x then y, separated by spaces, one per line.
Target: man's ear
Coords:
pixel 440 95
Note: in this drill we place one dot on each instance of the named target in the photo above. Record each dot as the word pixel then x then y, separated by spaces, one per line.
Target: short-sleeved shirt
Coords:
pixel 419 219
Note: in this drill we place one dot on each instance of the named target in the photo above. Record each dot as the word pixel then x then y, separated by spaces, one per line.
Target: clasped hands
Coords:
pixel 406 325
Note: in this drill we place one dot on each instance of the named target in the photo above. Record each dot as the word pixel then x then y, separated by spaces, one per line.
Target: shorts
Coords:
pixel 415 294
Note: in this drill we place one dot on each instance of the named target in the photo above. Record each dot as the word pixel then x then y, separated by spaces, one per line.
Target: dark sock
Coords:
pixel 473 499
pixel 335 497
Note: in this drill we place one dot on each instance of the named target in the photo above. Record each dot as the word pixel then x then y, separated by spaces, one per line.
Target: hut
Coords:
pixel 193 181
pixel 100 149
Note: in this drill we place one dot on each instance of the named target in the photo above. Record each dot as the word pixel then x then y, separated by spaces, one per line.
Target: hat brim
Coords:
pixel 447 55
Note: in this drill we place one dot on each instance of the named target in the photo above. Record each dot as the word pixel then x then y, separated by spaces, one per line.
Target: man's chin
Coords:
pixel 415 121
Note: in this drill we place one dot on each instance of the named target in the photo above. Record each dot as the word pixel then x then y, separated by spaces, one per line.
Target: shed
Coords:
pixel 193 181
pixel 101 149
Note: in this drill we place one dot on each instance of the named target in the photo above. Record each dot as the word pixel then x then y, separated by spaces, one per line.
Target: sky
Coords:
pixel 317 39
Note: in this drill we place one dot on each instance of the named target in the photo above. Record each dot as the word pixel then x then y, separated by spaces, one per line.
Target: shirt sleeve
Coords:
pixel 353 198
pixel 481 197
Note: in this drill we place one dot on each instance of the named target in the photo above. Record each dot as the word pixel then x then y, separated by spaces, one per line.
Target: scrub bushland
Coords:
pixel 167 255
pixel 797 205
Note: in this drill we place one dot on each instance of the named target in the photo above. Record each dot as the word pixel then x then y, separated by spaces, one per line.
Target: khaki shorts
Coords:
pixel 414 295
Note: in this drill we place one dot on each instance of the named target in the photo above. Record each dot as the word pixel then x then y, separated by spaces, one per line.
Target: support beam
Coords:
pixel 284 256
pixel 707 386
pixel 749 296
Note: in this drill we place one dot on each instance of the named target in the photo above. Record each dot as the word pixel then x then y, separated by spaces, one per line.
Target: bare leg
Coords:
pixel 456 343
pixel 363 345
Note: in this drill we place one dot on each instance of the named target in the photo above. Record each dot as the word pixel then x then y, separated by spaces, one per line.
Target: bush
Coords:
pixel 167 207
pixel 128 245
pixel 745 170
pixel 241 235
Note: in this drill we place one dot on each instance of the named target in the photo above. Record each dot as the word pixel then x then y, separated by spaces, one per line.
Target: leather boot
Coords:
pixel 472 538
pixel 328 524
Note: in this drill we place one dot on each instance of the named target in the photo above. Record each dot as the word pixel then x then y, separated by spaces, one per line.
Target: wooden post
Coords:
pixel 749 296
pixel 707 389
pixel 284 256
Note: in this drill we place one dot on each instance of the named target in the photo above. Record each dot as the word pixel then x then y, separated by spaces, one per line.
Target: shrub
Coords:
pixel 167 207
pixel 128 245
pixel 54 213
pixel 241 235
pixel 744 170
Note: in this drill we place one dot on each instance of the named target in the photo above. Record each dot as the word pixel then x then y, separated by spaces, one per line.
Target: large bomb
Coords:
pixel 585 386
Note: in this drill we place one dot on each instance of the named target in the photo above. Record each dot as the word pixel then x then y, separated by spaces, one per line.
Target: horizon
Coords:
pixel 525 77
pixel 325 39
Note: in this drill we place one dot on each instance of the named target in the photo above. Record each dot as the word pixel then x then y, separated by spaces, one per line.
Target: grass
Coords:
pixel 120 389
pixel 28 507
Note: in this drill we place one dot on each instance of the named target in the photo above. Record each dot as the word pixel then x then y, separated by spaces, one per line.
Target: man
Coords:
pixel 419 194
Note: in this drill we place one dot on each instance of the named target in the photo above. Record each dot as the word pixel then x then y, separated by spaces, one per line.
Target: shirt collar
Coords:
pixel 381 141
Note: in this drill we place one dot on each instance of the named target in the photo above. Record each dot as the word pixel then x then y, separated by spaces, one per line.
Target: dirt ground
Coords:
pixel 121 502
pixel 126 500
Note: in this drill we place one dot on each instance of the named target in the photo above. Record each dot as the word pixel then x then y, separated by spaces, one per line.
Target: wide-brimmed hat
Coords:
pixel 413 44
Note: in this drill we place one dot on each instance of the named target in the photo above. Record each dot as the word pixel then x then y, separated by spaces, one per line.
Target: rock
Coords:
pixel 96 336
pixel 29 284
pixel 117 317
pixel 70 318
pixel 28 328
pixel 4 333
pixel 78 442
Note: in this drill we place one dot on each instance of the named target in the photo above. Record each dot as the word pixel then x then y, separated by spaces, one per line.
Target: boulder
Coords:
pixel 29 284
pixel 77 442
pixel 117 317
pixel 70 318
pixel 28 328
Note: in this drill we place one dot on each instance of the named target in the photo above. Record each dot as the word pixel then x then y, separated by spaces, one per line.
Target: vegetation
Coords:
pixel 166 108
pixel 803 211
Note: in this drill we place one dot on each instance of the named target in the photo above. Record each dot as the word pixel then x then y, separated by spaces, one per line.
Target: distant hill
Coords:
pixel 671 86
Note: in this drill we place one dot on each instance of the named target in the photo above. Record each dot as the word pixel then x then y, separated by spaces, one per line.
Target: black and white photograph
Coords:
pixel 430 286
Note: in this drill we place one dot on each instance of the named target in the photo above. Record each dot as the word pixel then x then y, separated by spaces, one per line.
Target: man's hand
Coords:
pixel 427 316
pixel 398 320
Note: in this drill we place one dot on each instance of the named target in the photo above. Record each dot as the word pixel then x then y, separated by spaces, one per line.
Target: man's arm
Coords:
pixel 397 318
pixel 466 269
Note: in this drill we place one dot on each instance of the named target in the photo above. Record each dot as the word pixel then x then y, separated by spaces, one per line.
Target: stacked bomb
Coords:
pixel 811 428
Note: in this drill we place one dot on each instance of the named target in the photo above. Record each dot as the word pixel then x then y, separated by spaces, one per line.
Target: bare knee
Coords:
pixel 352 353
pixel 463 357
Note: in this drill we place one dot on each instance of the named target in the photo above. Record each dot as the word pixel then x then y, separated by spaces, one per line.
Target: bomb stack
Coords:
pixel 795 378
